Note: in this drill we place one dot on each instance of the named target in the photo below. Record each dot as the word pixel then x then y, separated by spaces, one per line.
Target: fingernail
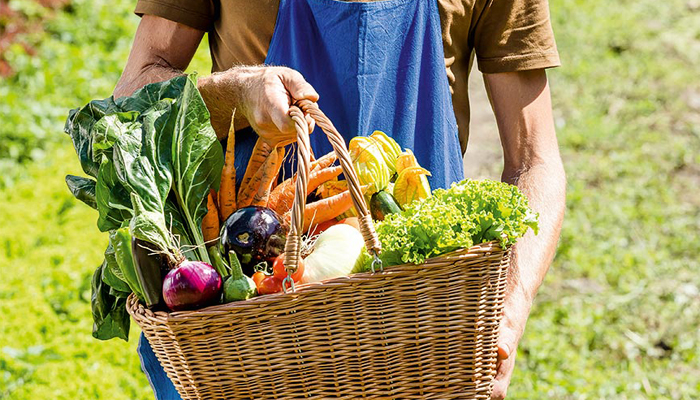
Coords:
pixel 504 350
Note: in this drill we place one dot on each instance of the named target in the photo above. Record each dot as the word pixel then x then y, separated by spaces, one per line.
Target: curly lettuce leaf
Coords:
pixel 468 213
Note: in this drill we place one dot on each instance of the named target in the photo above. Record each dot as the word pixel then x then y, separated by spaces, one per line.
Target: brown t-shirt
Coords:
pixel 505 35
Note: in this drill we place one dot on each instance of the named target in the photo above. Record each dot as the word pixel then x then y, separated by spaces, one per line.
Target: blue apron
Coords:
pixel 376 66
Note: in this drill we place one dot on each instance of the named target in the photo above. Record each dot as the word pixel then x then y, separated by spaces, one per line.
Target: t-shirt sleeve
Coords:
pixel 198 14
pixel 515 35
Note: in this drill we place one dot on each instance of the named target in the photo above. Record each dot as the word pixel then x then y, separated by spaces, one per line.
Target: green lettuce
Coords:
pixel 468 213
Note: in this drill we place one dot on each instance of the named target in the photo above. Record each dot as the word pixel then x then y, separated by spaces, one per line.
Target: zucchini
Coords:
pixel 383 203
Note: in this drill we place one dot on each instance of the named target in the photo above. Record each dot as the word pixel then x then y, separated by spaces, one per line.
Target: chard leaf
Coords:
pixel 112 274
pixel 197 160
pixel 79 128
pixel 109 315
pixel 127 145
pixel 83 189
pixel 147 96
pixel 154 156
pixel 112 198
pixel 150 226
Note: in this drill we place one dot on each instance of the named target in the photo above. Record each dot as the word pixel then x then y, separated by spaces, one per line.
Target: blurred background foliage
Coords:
pixel 619 312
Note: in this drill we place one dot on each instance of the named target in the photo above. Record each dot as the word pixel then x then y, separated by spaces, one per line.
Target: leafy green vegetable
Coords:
pixel 83 189
pixel 112 274
pixel 154 156
pixel 467 213
pixel 109 315
pixel 120 240
pixel 145 145
pixel 197 161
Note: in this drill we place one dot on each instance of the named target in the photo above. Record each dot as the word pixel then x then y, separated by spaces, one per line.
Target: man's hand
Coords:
pixel 261 95
pixel 515 313
pixel 523 111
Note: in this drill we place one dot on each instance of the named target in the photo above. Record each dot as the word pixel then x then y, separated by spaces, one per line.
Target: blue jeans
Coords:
pixel 163 387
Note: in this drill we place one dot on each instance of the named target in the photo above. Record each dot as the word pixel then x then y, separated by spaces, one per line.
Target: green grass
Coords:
pixel 617 317
pixel 619 312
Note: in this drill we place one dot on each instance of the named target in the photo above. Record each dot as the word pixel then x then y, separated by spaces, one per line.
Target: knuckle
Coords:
pixel 270 74
pixel 296 75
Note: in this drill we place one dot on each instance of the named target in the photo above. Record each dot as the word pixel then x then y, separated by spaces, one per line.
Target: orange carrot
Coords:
pixel 324 162
pixel 275 181
pixel 282 196
pixel 210 222
pixel 261 180
pixel 227 190
pixel 317 177
pixel 325 209
pixel 269 172
pixel 260 154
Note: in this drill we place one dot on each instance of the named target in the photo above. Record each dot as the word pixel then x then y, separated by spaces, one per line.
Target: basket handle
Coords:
pixel 293 244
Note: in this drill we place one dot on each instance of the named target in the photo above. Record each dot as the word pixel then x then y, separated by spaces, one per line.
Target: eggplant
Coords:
pixel 255 234
pixel 147 264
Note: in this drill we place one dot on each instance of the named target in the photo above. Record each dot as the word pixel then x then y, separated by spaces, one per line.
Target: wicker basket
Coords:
pixel 410 331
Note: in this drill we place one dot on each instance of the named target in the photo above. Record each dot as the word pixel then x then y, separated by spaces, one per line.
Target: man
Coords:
pixel 396 65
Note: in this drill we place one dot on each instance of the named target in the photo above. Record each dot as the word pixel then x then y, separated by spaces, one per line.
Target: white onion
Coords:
pixel 334 255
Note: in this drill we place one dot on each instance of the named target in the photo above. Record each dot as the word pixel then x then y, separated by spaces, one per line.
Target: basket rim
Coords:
pixel 136 308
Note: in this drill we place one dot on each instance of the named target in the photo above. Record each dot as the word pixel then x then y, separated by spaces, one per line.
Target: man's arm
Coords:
pixel 522 105
pixel 162 49
pixel 261 95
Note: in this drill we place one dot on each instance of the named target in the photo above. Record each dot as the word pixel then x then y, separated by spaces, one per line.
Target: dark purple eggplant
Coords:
pixel 255 234
pixel 148 271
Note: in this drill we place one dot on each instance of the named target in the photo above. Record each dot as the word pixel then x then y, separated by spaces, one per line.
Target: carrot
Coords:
pixel 262 179
pixel 324 162
pixel 275 181
pixel 282 196
pixel 325 209
pixel 210 222
pixel 269 172
pixel 260 154
pixel 317 177
pixel 227 190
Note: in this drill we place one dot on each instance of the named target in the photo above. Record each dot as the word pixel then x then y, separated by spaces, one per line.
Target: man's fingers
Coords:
pixel 297 86
pixel 503 351
pixel 284 123
pixel 504 373
pixel 499 391
pixel 507 341
pixel 311 122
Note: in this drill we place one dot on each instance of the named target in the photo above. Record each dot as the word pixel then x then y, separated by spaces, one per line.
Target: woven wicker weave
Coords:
pixel 426 331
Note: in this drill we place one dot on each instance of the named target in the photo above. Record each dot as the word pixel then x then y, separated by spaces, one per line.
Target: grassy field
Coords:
pixel 617 318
